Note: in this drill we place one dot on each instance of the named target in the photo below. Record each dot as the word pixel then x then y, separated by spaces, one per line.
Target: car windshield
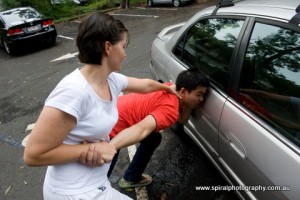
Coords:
pixel 19 15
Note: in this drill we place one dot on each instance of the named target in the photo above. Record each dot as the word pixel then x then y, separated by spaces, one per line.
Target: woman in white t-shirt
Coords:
pixel 82 107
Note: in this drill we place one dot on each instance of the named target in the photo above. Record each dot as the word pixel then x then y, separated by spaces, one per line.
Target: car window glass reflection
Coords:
pixel 208 45
pixel 19 15
pixel 270 80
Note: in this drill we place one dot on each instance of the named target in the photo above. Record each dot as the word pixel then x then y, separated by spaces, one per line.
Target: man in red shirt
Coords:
pixel 143 116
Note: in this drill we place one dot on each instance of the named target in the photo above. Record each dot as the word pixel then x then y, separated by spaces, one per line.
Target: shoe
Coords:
pixel 146 180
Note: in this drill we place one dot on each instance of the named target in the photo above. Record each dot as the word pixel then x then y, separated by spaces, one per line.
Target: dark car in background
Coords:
pixel 77 2
pixel 175 3
pixel 249 123
pixel 23 27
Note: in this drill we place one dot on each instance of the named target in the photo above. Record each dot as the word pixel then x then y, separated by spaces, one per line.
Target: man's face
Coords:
pixel 195 97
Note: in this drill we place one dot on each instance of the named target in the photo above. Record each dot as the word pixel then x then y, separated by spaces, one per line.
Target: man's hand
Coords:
pixel 98 154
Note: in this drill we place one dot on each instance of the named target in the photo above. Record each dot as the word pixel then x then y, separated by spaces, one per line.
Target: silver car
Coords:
pixel 249 124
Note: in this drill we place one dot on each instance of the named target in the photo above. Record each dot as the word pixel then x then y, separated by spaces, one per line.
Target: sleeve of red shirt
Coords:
pixel 167 113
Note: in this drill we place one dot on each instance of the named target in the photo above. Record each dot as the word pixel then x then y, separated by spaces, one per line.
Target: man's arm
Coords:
pixel 135 133
pixel 128 136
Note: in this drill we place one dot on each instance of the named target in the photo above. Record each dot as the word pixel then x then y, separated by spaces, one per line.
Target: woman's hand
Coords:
pixel 173 91
pixel 98 154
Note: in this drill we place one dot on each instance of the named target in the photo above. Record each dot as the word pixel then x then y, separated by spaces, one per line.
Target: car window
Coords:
pixel 208 45
pixel 19 15
pixel 270 79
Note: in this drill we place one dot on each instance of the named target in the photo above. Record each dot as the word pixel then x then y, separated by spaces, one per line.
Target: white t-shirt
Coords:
pixel 95 119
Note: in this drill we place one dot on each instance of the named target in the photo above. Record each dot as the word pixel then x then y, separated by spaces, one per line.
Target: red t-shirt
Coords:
pixel 133 108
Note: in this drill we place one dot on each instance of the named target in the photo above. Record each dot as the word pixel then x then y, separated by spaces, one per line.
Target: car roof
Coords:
pixel 282 10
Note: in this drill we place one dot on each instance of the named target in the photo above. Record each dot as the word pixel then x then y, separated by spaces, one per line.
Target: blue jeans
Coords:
pixel 141 158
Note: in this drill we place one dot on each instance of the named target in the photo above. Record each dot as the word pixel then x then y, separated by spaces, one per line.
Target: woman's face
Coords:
pixel 117 53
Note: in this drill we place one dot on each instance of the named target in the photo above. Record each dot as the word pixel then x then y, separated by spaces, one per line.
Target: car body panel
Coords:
pixel 262 167
pixel 206 118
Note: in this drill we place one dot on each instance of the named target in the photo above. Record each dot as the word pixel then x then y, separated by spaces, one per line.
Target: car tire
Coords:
pixel 176 3
pixel 150 3
pixel 52 41
pixel 7 47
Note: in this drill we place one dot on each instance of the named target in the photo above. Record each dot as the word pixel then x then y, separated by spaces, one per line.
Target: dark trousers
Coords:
pixel 141 158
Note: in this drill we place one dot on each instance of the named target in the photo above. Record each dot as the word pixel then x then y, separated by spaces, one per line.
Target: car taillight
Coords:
pixel 14 31
pixel 47 23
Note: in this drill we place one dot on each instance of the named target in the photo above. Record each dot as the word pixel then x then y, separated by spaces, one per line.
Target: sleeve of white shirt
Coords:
pixel 119 80
pixel 68 99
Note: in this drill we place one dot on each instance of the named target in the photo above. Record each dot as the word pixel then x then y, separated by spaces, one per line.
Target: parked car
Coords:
pixel 175 3
pixel 24 26
pixel 77 2
pixel 249 124
pixel 81 2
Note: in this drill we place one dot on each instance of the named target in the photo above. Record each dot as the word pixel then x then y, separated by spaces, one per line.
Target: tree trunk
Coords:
pixel 125 4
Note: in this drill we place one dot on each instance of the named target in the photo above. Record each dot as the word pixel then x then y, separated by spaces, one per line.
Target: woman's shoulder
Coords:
pixel 119 81
pixel 115 76
pixel 73 80
pixel 72 84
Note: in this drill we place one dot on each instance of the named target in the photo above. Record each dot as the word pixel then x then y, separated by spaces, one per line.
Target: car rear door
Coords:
pixel 259 127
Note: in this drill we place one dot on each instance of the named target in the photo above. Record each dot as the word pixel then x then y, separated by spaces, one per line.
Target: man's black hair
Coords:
pixel 190 79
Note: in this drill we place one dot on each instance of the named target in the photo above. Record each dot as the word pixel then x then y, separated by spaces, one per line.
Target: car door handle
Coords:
pixel 236 144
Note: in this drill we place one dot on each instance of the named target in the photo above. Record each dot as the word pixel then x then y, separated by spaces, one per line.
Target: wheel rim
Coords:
pixel 149 3
pixel 176 3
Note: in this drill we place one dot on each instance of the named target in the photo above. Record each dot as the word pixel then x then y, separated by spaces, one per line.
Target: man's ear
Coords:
pixel 182 92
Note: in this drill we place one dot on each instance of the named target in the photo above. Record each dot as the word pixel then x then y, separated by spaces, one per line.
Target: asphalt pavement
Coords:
pixel 177 166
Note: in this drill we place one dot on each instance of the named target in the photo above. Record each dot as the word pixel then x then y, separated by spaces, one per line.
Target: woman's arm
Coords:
pixel 45 144
pixel 148 85
pixel 126 137
pixel 266 95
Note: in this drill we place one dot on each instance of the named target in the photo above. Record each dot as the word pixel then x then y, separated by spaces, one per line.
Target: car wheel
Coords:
pixel 6 47
pixel 176 3
pixel 52 41
pixel 149 3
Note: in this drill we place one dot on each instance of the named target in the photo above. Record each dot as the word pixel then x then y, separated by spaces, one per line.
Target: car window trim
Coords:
pixel 239 59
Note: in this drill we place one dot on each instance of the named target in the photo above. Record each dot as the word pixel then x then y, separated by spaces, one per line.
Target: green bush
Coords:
pixel 66 10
